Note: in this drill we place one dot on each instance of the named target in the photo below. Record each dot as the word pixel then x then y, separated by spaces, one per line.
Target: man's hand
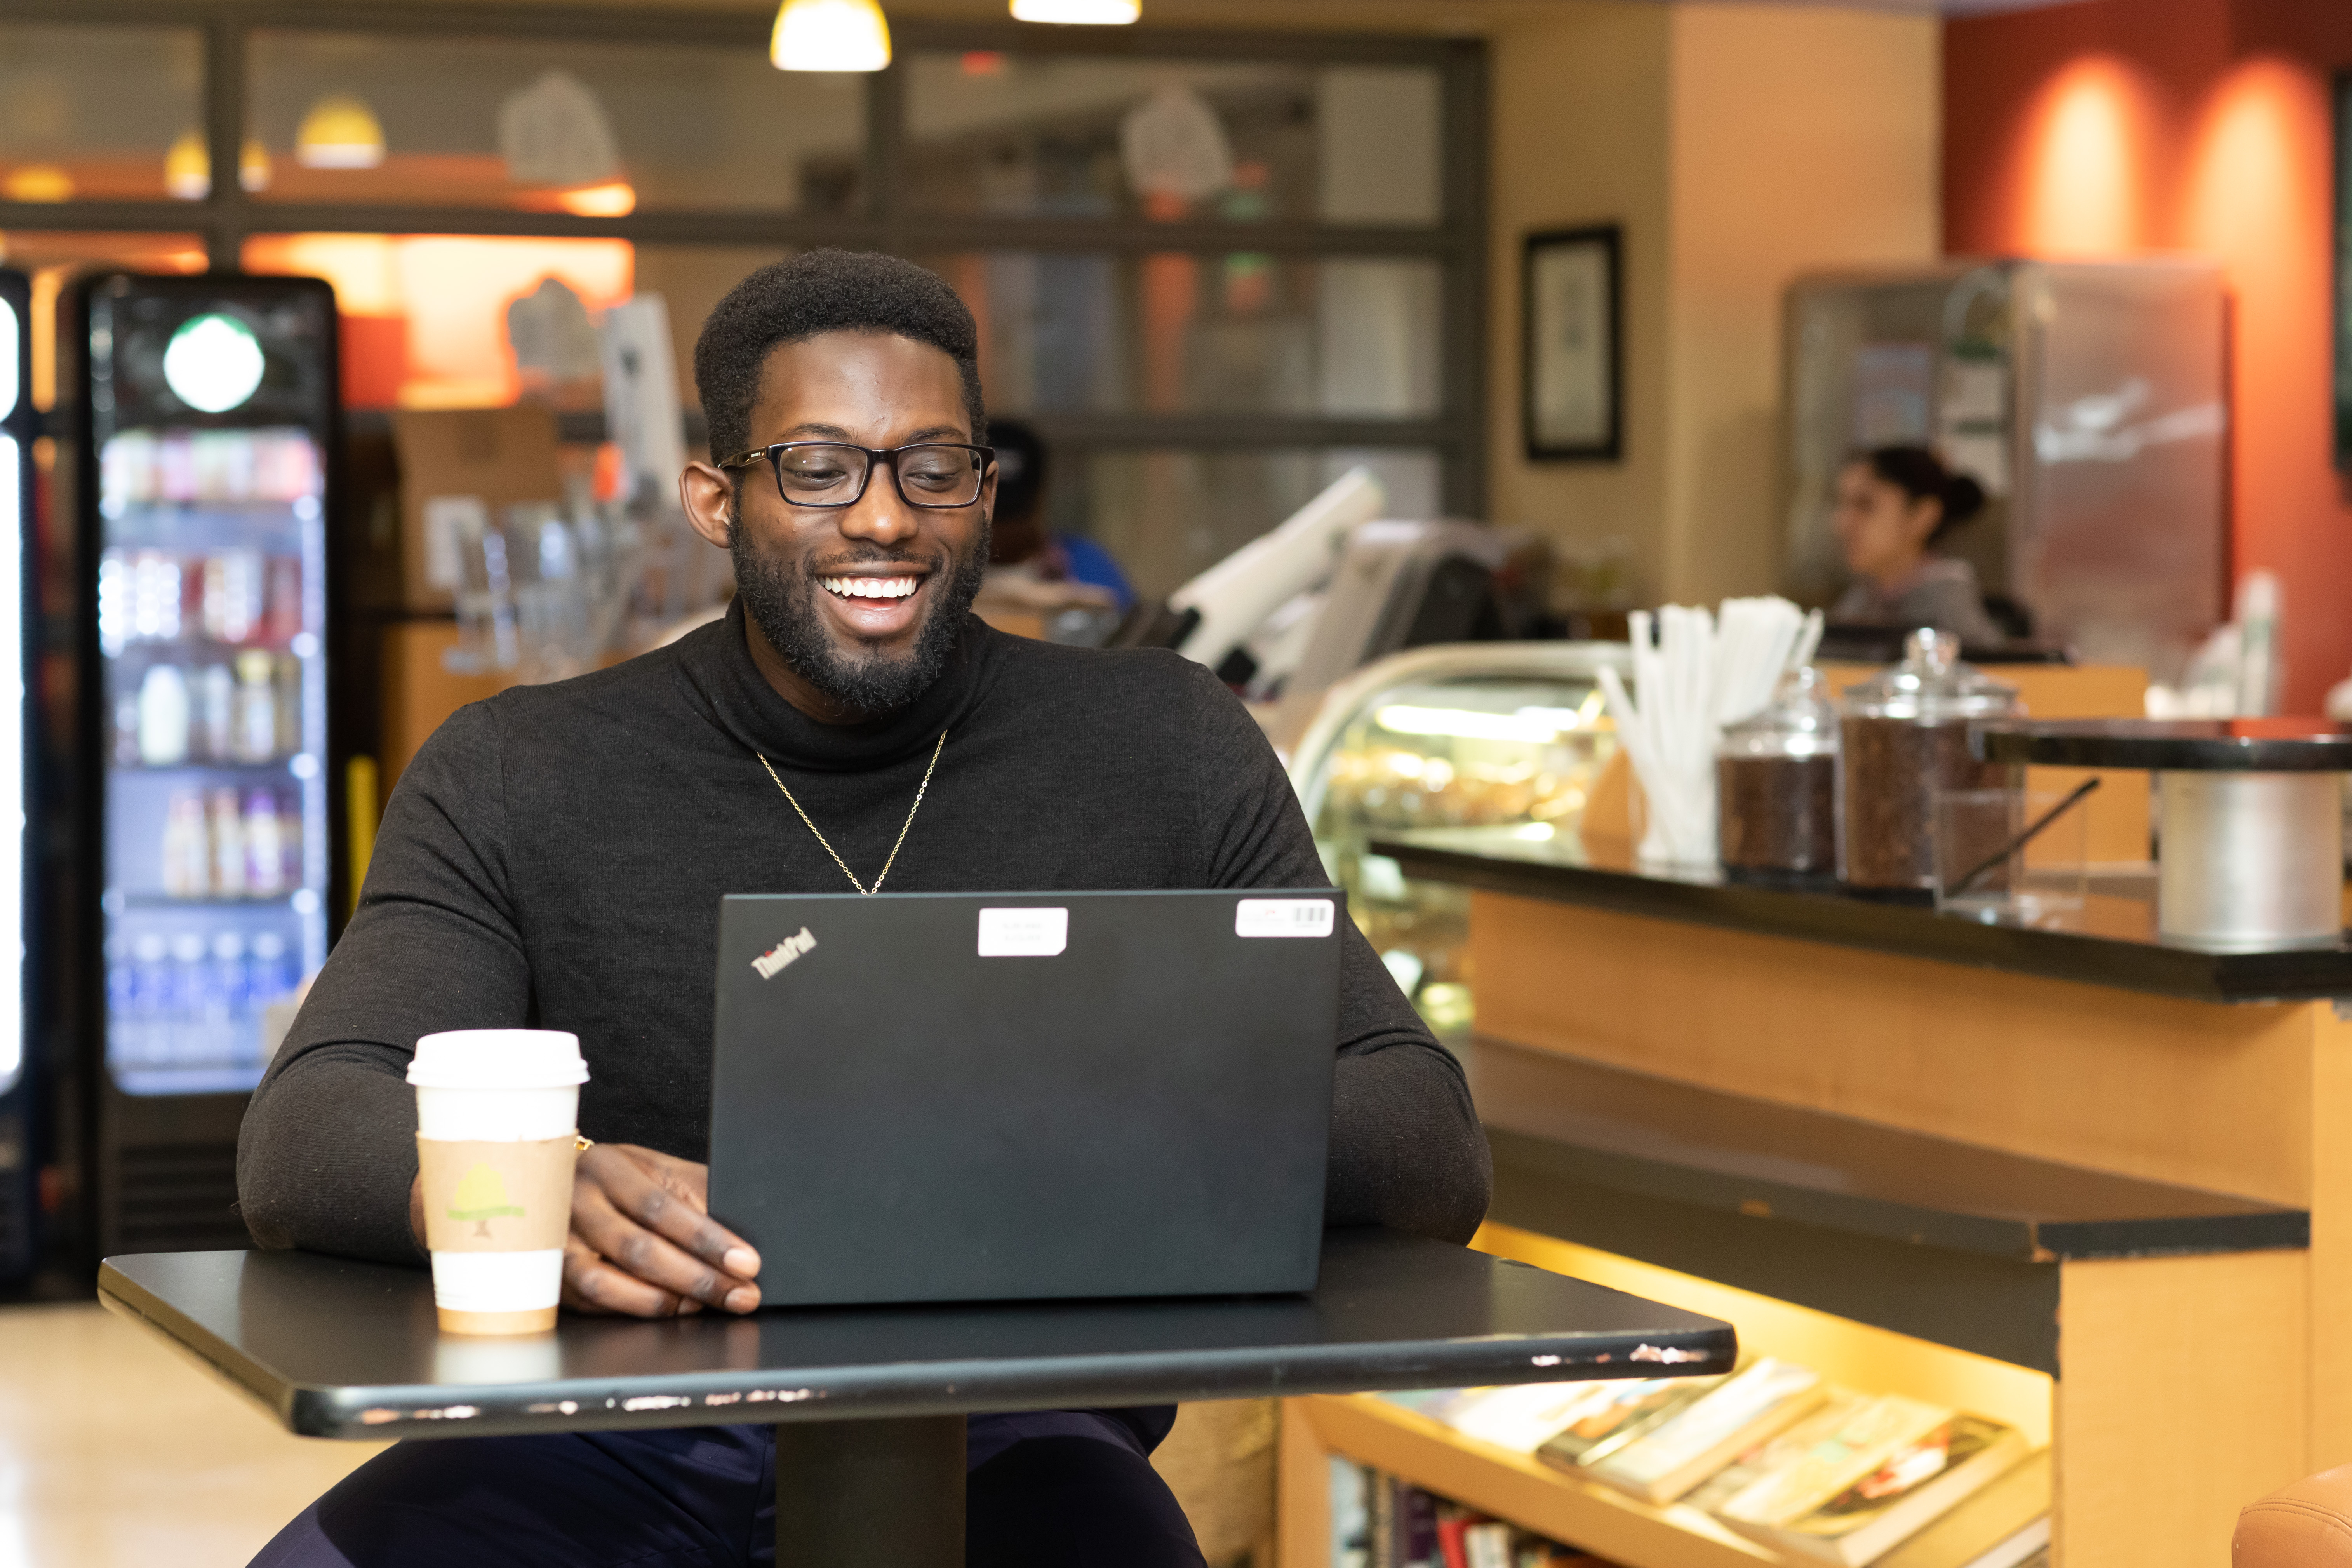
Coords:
pixel 643 1244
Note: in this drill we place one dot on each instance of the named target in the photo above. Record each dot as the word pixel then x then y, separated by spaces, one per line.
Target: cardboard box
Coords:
pixel 456 461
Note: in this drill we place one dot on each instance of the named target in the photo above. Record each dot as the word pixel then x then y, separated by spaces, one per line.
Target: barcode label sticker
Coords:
pixel 1024 933
pixel 1283 917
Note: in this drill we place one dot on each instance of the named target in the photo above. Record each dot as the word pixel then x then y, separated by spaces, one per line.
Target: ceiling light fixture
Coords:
pixel 830 36
pixel 339 131
pixel 188 168
pixel 1079 13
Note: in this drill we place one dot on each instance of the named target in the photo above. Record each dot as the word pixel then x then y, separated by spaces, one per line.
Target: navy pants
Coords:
pixel 1053 1489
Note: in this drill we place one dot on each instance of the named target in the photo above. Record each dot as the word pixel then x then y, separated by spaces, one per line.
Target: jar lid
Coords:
pixel 1799 721
pixel 1931 683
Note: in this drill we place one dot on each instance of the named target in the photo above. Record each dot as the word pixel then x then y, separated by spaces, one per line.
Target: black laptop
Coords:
pixel 960 1097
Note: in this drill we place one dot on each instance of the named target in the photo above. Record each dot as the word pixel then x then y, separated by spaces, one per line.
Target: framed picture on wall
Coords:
pixel 1573 355
pixel 2343 272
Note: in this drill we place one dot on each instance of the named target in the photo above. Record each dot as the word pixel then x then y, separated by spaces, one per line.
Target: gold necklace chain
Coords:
pixel 902 826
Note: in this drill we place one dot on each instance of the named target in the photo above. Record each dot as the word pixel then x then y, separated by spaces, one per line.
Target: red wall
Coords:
pixel 2115 127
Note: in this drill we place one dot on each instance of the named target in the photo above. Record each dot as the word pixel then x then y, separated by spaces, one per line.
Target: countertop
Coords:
pixel 2110 941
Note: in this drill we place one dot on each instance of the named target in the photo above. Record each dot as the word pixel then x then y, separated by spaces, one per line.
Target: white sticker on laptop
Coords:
pixel 1024 933
pixel 1283 917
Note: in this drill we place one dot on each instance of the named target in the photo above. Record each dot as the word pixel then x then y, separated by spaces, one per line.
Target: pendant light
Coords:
pixel 1079 13
pixel 830 36
pixel 188 167
pixel 339 131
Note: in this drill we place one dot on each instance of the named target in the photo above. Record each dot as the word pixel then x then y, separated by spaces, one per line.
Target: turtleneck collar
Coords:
pixel 715 663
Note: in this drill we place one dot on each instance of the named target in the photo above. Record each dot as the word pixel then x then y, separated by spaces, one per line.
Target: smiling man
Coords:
pixel 555 857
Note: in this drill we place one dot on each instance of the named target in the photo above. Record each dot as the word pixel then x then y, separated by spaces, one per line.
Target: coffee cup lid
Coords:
pixel 497 1058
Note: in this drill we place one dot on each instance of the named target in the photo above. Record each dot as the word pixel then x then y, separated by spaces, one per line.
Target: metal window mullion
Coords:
pixel 1464 316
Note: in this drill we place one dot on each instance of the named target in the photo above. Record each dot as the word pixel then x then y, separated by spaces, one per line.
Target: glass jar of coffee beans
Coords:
pixel 1776 785
pixel 1905 736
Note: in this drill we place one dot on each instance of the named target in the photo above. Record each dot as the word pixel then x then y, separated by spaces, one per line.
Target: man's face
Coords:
pixel 861 603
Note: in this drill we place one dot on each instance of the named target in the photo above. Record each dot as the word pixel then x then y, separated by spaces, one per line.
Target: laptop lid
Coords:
pixel 925 1097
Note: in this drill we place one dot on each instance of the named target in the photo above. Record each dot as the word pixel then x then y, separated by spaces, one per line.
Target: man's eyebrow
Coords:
pixel 813 431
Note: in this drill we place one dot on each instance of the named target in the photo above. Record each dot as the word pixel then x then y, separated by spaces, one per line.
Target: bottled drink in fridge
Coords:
pixel 285 613
pixel 270 974
pixel 265 850
pixel 256 739
pixel 230 877
pixel 163 716
pixel 216 703
pixel 231 987
pixel 233 591
pixel 150 985
pixel 187 854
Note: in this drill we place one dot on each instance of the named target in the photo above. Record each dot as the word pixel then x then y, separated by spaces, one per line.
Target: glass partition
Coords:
pixel 1239 333
pixel 1076 136
pixel 106 113
pixel 597 129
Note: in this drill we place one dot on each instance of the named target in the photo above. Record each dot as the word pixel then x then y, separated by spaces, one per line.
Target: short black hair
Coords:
pixel 1919 474
pixel 824 291
pixel 1020 465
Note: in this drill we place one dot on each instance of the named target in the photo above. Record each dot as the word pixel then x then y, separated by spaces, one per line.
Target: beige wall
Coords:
pixel 1582 106
pixel 1739 146
pixel 1802 137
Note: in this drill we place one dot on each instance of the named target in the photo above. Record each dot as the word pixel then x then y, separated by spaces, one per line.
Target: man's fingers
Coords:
pixel 621 1241
pixel 662 1195
pixel 593 1285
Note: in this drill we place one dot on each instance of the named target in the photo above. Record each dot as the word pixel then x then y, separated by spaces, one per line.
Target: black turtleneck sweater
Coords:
pixel 554 858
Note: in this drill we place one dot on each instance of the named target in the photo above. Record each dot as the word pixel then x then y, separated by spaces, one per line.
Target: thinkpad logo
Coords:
pixel 783 953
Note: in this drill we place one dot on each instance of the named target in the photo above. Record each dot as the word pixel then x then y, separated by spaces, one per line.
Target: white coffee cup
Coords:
pixel 497 1117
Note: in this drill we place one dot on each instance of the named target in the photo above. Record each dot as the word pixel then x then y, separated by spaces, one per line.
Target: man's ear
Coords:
pixel 708 496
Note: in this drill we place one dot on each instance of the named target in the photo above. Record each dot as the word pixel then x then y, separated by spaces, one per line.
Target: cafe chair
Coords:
pixel 2306 1525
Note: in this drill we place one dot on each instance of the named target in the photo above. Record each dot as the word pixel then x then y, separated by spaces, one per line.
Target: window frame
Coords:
pixel 1457 242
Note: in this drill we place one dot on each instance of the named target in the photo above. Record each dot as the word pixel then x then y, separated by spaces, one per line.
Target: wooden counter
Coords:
pixel 2131 1181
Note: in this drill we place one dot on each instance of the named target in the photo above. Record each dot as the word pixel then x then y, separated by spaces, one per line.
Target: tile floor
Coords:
pixel 115 1452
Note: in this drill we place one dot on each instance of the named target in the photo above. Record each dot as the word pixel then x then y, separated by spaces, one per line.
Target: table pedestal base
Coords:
pixel 879 1494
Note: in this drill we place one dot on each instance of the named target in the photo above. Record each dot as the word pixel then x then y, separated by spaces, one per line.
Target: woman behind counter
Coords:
pixel 1892 505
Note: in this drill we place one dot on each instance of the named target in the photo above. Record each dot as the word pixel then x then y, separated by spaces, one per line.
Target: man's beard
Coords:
pixel 780 598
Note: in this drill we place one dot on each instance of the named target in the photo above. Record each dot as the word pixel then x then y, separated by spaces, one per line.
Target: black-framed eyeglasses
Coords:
pixel 935 474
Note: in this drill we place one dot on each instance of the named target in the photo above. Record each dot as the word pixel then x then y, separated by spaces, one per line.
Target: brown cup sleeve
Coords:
pixel 496 1197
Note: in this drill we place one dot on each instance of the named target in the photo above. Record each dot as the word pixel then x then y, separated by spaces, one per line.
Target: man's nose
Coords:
pixel 881 515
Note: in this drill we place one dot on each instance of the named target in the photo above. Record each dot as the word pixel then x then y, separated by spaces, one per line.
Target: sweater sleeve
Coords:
pixel 328 1151
pixel 1406 1147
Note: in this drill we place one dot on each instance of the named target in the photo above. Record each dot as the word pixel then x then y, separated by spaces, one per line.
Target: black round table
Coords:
pixel 2251 851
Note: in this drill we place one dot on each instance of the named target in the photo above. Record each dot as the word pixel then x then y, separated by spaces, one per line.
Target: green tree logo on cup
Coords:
pixel 481 1197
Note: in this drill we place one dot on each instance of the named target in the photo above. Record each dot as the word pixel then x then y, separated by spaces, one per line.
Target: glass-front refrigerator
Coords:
pixel 20 1090
pixel 206 411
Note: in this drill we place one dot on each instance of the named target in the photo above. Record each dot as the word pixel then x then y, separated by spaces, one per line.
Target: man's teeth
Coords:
pixel 870 587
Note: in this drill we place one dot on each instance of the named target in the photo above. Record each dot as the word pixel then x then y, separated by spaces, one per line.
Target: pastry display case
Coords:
pixel 1506 738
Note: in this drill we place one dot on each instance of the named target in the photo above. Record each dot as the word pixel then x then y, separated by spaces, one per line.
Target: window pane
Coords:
pixel 93 113
pixel 1166 516
pixel 1043 135
pixel 595 129
pixel 1203 335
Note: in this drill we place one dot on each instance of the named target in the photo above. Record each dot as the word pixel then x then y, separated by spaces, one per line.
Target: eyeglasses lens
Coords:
pixel 814 474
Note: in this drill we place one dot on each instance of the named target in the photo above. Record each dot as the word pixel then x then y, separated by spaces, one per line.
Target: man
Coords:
pixel 555 857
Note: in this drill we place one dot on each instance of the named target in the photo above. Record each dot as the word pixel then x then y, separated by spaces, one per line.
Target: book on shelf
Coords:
pixel 1826 1456
pixel 1754 1403
pixel 1380 1520
pixel 1907 1490
pixel 2003 1526
pixel 1522 1418
pixel 1619 1417
pixel 1838 1406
